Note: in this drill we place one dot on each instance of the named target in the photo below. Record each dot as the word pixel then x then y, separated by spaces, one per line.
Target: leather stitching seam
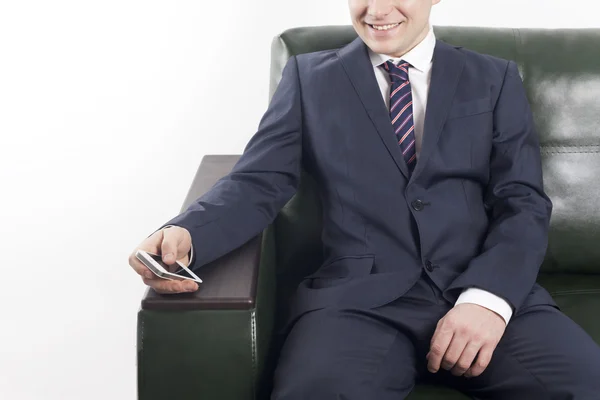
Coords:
pixel 254 357
pixel 582 148
pixel 571 292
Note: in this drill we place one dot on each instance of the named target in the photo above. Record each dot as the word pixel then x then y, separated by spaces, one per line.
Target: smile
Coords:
pixel 384 27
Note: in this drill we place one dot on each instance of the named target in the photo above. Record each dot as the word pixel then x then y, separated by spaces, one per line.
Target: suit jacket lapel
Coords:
pixel 447 67
pixel 355 61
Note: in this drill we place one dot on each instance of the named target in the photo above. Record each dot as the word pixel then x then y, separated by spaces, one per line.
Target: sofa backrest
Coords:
pixel 561 73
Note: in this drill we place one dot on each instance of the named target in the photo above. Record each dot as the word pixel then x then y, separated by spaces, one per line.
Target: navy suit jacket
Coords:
pixel 472 214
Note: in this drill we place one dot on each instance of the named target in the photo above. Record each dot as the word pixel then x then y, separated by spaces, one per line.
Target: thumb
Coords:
pixel 171 245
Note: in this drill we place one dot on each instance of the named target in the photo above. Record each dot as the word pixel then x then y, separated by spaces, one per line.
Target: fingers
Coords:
pixel 165 286
pixel 466 333
pixel 439 344
pixel 454 351
pixel 174 245
pixel 483 360
pixel 140 268
pixel 466 358
pixel 151 244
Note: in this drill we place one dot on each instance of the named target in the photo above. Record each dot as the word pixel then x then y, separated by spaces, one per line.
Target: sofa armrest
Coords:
pixel 213 343
pixel 227 283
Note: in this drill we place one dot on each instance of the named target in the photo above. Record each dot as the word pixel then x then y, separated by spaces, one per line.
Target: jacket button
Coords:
pixel 418 205
pixel 429 266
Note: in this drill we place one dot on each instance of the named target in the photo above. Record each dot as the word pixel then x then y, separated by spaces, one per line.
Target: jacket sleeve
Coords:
pixel 517 237
pixel 243 203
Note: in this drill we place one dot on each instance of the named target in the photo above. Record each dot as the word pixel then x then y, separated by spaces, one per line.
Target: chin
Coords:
pixel 381 47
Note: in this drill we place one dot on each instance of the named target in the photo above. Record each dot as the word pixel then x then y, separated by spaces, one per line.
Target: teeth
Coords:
pixel 384 27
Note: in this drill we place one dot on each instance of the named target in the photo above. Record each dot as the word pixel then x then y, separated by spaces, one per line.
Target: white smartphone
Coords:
pixel 155 264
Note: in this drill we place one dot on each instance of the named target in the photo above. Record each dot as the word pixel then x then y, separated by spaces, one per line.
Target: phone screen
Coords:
pixel 180 271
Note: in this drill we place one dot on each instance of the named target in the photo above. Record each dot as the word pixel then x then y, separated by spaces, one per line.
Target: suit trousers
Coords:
pixel 379 353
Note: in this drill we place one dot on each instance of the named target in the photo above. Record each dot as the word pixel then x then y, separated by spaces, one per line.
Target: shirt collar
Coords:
pixel 418 57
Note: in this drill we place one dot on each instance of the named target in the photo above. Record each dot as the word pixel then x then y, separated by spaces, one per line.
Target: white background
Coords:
pixel 106 109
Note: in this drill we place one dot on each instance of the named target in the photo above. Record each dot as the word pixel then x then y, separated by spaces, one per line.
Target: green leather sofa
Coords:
pixel 222 342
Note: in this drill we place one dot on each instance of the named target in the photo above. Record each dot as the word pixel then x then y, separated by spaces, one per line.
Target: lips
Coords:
pixel 383 31
pixel 384 27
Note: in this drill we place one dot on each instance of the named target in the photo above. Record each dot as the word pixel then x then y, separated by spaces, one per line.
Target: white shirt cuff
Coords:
pixel 488 300
pixel 191 248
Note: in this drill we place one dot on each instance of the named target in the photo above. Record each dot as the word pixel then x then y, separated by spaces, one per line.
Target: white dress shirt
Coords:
pixel 420 59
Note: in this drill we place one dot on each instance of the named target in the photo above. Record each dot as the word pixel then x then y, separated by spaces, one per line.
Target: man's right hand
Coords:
pixel 172 243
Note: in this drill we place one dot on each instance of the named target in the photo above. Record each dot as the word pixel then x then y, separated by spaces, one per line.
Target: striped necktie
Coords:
pixel 401 110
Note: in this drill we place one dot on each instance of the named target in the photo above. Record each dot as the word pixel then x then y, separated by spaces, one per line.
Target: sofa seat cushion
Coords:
pixel 430 392
pixel 578 296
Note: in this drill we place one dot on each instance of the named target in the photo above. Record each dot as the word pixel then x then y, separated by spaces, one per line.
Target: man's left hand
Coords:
pixel 466 331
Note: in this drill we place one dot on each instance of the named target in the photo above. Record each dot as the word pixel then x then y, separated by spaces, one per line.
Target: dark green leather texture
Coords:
pixel 210 354
pixel 230 354
pixel 183 355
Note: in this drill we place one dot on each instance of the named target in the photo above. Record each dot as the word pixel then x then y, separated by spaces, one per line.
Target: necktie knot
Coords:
pixel 398 73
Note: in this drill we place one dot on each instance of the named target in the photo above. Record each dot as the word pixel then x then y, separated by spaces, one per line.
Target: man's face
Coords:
pixel 391 27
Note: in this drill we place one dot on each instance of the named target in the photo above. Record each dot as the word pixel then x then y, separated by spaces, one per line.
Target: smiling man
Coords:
pixel 435 222
pixel 456 325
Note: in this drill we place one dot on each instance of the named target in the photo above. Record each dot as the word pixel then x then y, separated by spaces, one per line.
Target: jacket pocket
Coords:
pixel 470 107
